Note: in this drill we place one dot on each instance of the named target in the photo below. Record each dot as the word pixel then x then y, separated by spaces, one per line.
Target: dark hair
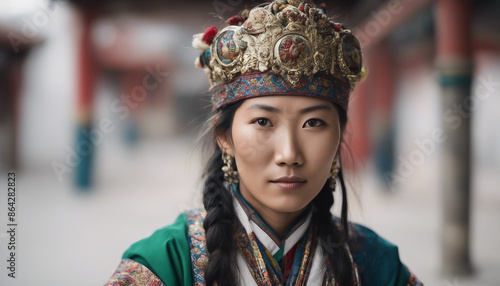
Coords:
pixel 218 203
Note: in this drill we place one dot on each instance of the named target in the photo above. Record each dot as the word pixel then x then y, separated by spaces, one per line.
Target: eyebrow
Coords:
pixel 302 111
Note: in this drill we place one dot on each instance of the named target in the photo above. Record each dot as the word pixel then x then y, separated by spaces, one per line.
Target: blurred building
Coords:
pixel 86 76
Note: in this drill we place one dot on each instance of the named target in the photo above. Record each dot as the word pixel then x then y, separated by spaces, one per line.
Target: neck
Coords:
pixel 279 222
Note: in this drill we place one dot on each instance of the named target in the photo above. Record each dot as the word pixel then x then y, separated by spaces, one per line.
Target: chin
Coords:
pixel 289 205
pixel 290 201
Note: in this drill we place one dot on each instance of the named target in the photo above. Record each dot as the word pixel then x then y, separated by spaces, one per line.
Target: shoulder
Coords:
pixel 172 234
pixel 377 259
pixel 166 252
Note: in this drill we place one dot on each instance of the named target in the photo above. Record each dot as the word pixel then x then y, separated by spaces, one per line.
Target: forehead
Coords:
pixel 286 103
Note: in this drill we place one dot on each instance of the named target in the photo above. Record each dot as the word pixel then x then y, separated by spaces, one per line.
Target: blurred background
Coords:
pixel 100 106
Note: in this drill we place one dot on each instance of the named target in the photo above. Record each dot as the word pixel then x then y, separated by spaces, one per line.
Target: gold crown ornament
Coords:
pixel 283 47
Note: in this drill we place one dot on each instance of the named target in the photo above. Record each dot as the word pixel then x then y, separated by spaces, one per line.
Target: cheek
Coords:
pixel 251 146
pixel 253 156
pixel 322 152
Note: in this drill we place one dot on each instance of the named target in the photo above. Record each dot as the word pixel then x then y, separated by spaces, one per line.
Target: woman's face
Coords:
pixel 283 136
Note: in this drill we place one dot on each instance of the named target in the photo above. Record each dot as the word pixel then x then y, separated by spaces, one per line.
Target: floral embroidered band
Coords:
pixel 130 272
pixel 265 84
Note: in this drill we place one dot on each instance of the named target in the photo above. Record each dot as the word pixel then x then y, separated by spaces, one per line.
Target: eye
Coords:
pixel 262 122
pixel 315 122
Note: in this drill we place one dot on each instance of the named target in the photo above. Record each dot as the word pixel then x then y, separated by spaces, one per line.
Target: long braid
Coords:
pixel 218 203
pixel 218 226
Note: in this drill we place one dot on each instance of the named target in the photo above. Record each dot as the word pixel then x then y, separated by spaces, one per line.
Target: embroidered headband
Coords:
pixel 282 48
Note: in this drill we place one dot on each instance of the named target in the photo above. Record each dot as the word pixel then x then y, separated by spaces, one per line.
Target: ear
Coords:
pixel 224 144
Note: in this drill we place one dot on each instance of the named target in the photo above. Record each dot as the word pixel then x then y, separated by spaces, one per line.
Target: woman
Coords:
pixel 281 75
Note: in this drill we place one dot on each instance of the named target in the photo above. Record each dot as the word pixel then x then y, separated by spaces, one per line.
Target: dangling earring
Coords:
pixel 333 175
pixel 230 175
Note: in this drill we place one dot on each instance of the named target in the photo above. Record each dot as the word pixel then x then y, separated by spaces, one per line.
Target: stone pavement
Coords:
pixel 67 237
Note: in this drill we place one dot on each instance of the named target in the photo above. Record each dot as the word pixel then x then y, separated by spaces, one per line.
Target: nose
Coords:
pixel 288 150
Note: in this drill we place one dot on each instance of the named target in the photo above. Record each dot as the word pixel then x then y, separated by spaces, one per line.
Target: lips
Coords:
pixel 292 179
pixel 289 183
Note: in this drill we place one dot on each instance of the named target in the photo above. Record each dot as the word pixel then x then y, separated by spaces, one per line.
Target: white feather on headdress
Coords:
pixel 199 44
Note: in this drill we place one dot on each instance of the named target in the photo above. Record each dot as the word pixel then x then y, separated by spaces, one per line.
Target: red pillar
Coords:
pixel 370 113
pixel 453 18
pixel 86 73
pixel 381 85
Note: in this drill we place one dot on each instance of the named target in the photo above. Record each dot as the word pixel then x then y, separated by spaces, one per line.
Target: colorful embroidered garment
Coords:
pixel 197 246
pixel 263 257
pixel 130 272
pixel 176 255
pixel 264 267
pixel 265 253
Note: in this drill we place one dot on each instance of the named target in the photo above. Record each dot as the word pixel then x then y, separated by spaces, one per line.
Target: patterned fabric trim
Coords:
pixel 307 251
pixel 262 84
pixel 413 281
pixel 356 279
pixel 130 273
pixel 252 252
pixel 196 237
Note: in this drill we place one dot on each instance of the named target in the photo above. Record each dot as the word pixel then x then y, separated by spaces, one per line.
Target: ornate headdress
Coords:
pixel 282 48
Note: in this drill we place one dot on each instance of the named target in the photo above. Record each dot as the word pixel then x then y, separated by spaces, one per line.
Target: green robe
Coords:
pixel 166 253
